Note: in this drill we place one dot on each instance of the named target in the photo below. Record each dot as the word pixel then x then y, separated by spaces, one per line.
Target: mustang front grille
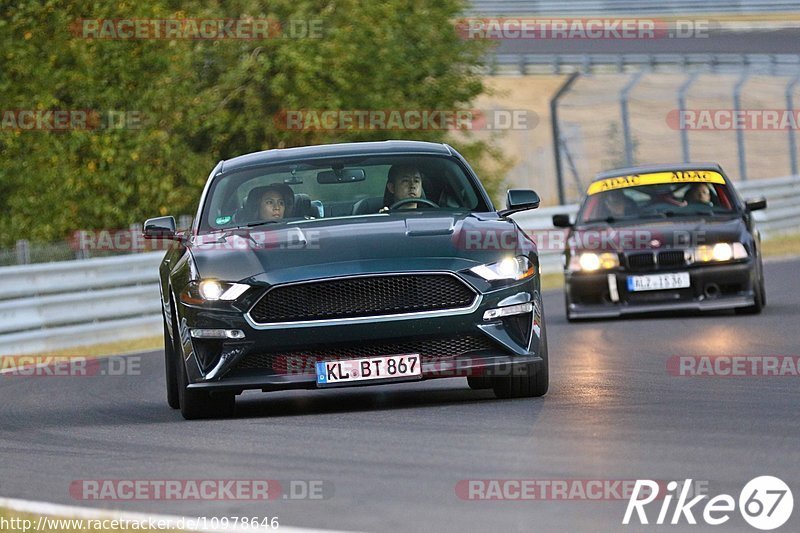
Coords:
pixel 435 349
pixel 362 296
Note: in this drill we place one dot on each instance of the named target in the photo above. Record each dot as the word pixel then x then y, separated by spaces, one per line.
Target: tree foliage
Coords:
pixel 205 100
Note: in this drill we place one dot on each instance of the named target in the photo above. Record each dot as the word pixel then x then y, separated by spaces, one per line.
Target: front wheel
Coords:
pixel 173 398
pixel 534 382
pixel 759 296
pixel 199 404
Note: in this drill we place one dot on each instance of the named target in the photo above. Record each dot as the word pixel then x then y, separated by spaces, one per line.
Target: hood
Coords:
pixel 658 234
pixel 417 241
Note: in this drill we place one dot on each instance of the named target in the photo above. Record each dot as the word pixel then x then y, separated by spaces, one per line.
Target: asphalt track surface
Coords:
pixel 777 41
pixel 393 454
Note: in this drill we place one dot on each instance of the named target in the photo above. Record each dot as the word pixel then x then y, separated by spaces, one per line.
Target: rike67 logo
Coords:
pixel 765 503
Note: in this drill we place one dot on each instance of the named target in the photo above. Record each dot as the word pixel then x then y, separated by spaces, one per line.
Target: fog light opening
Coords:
pixel 711 291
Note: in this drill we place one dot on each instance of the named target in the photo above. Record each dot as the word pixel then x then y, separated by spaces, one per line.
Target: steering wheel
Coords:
pixel 405 201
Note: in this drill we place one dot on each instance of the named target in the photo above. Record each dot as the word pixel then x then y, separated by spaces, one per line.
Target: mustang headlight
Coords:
pixel 211 290
pixel 722 251
pixel 510 268
pixel 590 261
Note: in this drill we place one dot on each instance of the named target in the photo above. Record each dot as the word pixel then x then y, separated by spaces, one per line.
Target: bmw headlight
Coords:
pixel 510 268
pixel 211 290
pixel 721 252
pixel 591 262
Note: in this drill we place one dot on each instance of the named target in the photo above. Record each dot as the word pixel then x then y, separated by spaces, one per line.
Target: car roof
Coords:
pixel 647 169
pixel 280 155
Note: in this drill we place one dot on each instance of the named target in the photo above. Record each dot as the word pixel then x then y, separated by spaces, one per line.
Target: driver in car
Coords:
pixel 403 182
pixel 699 193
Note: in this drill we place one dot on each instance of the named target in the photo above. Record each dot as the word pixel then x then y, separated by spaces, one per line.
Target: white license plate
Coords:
pixel 659 282
pixel 369 369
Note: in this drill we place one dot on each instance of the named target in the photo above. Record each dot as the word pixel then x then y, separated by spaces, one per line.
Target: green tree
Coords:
pixel 207 100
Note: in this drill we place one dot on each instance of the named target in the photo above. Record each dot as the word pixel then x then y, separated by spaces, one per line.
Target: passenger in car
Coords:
pixel 270 202
pixel 617 205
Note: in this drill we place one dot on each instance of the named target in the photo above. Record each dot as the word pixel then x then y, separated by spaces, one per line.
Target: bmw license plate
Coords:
pixel 390 367
pixel 659 282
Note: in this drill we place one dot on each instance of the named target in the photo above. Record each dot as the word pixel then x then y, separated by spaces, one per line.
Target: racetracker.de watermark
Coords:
pixel 68 366
pixel 562 489
pixel 580 28
pixel 200 489
pixel 405 120
pixel 197 29
pixel 733 119
pixel 301 364
pixel 733 366
pixel 61 120
pixel 133 240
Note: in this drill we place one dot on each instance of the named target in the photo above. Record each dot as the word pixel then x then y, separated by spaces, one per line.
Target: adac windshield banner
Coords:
pixel 656 178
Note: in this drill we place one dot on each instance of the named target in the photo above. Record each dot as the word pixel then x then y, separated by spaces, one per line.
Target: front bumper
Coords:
pixel 712 287
pixel 280 358
pixel 478 365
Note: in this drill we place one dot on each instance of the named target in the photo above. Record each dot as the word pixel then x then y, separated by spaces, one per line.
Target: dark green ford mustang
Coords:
pixel 347 265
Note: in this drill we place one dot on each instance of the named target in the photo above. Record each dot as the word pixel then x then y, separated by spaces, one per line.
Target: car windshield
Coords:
pixel 656 200
pixel 342 187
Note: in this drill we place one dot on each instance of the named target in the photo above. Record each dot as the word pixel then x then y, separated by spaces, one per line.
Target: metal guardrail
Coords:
pixel 527 64
pixel 51 306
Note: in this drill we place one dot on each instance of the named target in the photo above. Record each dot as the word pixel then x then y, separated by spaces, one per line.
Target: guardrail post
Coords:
pixel 136 238
pixel 681 107
pixel 790 110
pixel 737 107
pixel 626 126
pixel 23 249
pixel 557 133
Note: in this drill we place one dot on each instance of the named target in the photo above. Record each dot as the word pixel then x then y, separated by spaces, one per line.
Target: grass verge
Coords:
pixel 781 245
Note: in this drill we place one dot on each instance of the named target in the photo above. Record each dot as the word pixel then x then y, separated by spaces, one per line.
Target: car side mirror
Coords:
pixel 756 204
pixel 520 200
pixel 561 220
pixel 160 228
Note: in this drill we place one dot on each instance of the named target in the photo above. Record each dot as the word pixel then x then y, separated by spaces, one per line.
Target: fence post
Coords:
pixel 82 251
pixel 681 107
pixel 557 133
pixel 790 110
pixel 737 107
pixel 23 249
pixel 626 126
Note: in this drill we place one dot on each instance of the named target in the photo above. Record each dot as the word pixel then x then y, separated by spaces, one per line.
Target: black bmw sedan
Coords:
pixel 662 238
pixel 348 265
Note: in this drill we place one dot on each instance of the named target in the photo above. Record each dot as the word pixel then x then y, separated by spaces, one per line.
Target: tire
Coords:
pixel 199 404
pixel 759 296
pixel 533 383
pixel 567 314
pixel 173 397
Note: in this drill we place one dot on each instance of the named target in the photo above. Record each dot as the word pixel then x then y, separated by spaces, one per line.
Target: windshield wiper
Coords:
pixel 259 223
pixel 608 219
